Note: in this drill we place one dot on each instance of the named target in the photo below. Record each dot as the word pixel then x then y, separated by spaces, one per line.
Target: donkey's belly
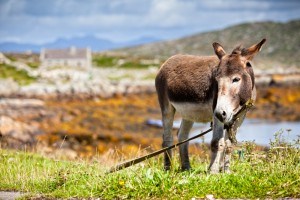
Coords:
pixel 197 112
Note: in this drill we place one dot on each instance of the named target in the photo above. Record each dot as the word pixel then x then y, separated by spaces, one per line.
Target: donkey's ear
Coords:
pixel 219 50
pixel 253 50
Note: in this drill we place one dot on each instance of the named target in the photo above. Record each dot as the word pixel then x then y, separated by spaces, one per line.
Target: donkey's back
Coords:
pixel 185 83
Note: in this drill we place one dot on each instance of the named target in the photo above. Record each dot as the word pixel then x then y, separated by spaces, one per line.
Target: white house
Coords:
pixel 72 57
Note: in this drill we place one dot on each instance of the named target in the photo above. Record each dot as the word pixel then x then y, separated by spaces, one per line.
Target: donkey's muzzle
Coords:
pixel 221 115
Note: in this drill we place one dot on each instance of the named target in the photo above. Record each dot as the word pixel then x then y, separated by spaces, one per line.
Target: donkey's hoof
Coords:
pixel 167 168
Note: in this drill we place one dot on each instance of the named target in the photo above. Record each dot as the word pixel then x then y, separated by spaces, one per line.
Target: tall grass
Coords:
pixel 274 173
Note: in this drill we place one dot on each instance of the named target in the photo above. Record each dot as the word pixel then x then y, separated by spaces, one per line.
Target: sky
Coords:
pixel 41 21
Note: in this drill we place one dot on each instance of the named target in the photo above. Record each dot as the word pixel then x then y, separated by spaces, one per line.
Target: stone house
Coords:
pixel 70 57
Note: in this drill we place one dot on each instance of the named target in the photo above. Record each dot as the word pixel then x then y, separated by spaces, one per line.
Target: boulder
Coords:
pixel 8 87
pixel 16 134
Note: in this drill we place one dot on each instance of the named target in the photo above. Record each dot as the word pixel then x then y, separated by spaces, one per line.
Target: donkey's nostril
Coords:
pixel 221 115
pixel 224 114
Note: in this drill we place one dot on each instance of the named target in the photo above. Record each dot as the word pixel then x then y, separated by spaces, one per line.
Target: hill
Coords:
pixel 282 48
pixel 96 44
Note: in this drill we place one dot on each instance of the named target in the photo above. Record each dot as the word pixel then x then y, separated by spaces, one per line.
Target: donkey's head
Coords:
pixel 235 80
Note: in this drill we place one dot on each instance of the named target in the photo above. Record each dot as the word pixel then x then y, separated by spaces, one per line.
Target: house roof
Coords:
pixel 70 53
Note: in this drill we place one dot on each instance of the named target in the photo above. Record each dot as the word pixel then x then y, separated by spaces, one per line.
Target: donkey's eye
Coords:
pixel 236 79
pixel 248 64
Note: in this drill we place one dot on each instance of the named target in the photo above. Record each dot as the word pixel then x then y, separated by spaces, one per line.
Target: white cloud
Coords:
pixel 41 21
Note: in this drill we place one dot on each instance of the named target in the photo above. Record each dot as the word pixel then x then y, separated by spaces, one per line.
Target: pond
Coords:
pixel 259 131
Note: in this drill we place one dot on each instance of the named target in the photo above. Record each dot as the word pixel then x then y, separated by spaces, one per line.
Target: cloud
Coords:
pixel 39 21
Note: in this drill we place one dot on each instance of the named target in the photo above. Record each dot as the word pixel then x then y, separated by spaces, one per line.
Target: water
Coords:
pixel 259 131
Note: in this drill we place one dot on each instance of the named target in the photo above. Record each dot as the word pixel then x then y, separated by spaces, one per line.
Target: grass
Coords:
pixel 270 174
pixel 121 62
pixel 33 65
pixel 105 61
pixel 20 76
pixel 134 65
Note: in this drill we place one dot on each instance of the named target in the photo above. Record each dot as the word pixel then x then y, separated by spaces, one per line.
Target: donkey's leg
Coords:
pixel 183 134
pixel 167 119
pixel 225 160
pixel 217 146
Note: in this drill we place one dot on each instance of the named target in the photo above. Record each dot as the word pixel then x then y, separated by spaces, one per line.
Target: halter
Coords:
pixel 236 119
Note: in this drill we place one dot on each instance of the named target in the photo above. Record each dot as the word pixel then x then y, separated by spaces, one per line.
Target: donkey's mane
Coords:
pixel 239 50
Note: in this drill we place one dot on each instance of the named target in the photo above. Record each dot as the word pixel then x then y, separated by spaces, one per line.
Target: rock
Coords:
pixel 8 87
pixel 263 80
pixel 15 134
pixel 22 109
pixel 146 87
pixel 209 197
pixel 21 102
pixel 7 195
pixel 4 59
pixel 41 90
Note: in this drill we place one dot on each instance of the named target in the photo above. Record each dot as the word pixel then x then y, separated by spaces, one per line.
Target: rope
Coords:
pixel 141 159
pixel 129 163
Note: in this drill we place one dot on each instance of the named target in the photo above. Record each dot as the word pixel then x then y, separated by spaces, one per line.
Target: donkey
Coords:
pixel 206 89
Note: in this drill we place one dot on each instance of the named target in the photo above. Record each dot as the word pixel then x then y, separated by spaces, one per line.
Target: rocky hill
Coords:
pixel 281 50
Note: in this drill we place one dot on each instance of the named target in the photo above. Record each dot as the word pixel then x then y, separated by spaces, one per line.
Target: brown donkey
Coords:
pixel 204 89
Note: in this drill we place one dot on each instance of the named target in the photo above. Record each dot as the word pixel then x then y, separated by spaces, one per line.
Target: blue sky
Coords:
pixel 40 21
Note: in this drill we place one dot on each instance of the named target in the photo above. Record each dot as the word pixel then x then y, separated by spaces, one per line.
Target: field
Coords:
pixel 272 173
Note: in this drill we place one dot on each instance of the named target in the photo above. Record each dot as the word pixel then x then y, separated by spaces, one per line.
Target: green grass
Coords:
pixel 20 76
pixel 134 65
pixel 271 174
pixel 33 65
pixel 105 61
pixel 113 61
